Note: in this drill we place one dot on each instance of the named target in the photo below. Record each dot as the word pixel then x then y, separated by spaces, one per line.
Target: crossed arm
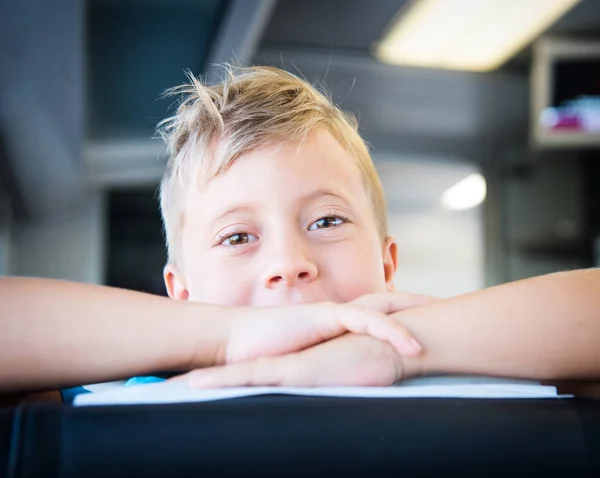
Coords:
pixel 57 334
pixel 542 328
pixel 546 328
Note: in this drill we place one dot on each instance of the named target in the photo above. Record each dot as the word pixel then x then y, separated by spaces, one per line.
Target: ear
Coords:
pixel 175 283
pixel 390 261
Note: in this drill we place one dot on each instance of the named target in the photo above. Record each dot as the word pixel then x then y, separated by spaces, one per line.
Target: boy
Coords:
pixel 288 208
pixel 270 198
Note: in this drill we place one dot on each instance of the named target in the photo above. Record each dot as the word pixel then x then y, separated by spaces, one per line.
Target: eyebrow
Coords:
pixel 245 207
pixel 248 207
pixel 323 192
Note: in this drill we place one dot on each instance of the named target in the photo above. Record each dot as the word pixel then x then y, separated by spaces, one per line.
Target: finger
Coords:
pixel 381 326
pixel 268 371
pixel 390 302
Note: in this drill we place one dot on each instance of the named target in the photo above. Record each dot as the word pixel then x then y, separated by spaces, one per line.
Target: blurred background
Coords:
pixel 483 117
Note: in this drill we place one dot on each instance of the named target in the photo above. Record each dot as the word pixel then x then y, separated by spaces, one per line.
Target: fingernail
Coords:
pixel 414 346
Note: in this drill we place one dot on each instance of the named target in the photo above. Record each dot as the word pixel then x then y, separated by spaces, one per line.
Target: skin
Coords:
pixel 81 333
pixel 288 224
pixel 268 232
pixel 304 242
pixel 256 235
pixel 546 328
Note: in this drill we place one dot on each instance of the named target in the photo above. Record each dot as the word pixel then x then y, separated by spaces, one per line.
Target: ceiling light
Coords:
pixel 473 35
pixel 465 194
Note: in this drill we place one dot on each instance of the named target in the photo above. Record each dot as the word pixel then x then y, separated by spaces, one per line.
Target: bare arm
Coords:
pixel 547 329
pixel 55 334
pixel 542 328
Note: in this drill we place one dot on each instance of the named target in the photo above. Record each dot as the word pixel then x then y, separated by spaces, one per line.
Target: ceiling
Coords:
pixel 348 25
pixel 342 26
pixel 136 50
pixel 105 65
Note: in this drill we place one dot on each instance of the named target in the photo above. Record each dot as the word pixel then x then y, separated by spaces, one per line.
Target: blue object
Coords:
pixel 142 380
pixel 68 394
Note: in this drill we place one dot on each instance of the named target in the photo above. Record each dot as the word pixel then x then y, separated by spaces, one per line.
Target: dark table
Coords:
pixel 279 436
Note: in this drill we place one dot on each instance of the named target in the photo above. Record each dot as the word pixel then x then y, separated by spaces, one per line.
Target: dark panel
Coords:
pixel 136 251
pixel 136 50
pixel 332 24
pixel 592 193
pixel 282 436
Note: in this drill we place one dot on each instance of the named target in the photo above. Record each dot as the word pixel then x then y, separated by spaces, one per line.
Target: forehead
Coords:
pixel 285 171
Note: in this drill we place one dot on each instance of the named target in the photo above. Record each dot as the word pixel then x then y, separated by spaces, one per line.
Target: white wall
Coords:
pixel 68 246
pixel 440 252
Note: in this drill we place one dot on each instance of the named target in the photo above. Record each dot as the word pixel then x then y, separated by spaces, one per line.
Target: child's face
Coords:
pixel 284 225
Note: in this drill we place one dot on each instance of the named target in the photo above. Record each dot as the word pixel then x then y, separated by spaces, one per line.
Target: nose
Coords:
pixel 290 267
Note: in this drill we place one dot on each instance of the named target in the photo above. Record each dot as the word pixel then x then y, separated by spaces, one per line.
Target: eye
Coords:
pixel 238 239
pixel 326 222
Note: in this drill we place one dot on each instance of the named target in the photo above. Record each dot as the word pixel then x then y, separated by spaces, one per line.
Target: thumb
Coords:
pixel 266 371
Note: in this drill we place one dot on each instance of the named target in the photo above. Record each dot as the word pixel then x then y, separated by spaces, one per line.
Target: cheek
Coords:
pixel 355 270
pixel 217 282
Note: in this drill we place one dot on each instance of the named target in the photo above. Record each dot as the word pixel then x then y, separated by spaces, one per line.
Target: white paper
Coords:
pixel 427 387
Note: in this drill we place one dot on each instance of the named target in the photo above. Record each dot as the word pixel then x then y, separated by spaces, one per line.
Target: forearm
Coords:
pixel 55 333
pixel 542 328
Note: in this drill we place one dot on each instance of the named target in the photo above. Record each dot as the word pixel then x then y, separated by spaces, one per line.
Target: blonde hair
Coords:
pixel 251 108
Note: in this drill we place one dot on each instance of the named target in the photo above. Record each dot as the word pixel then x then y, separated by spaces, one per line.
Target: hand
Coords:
pixel 348 360
pixel 390 302
pixel 260 332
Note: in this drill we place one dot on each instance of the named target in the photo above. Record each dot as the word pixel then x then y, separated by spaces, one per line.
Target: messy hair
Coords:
pixel 250 109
